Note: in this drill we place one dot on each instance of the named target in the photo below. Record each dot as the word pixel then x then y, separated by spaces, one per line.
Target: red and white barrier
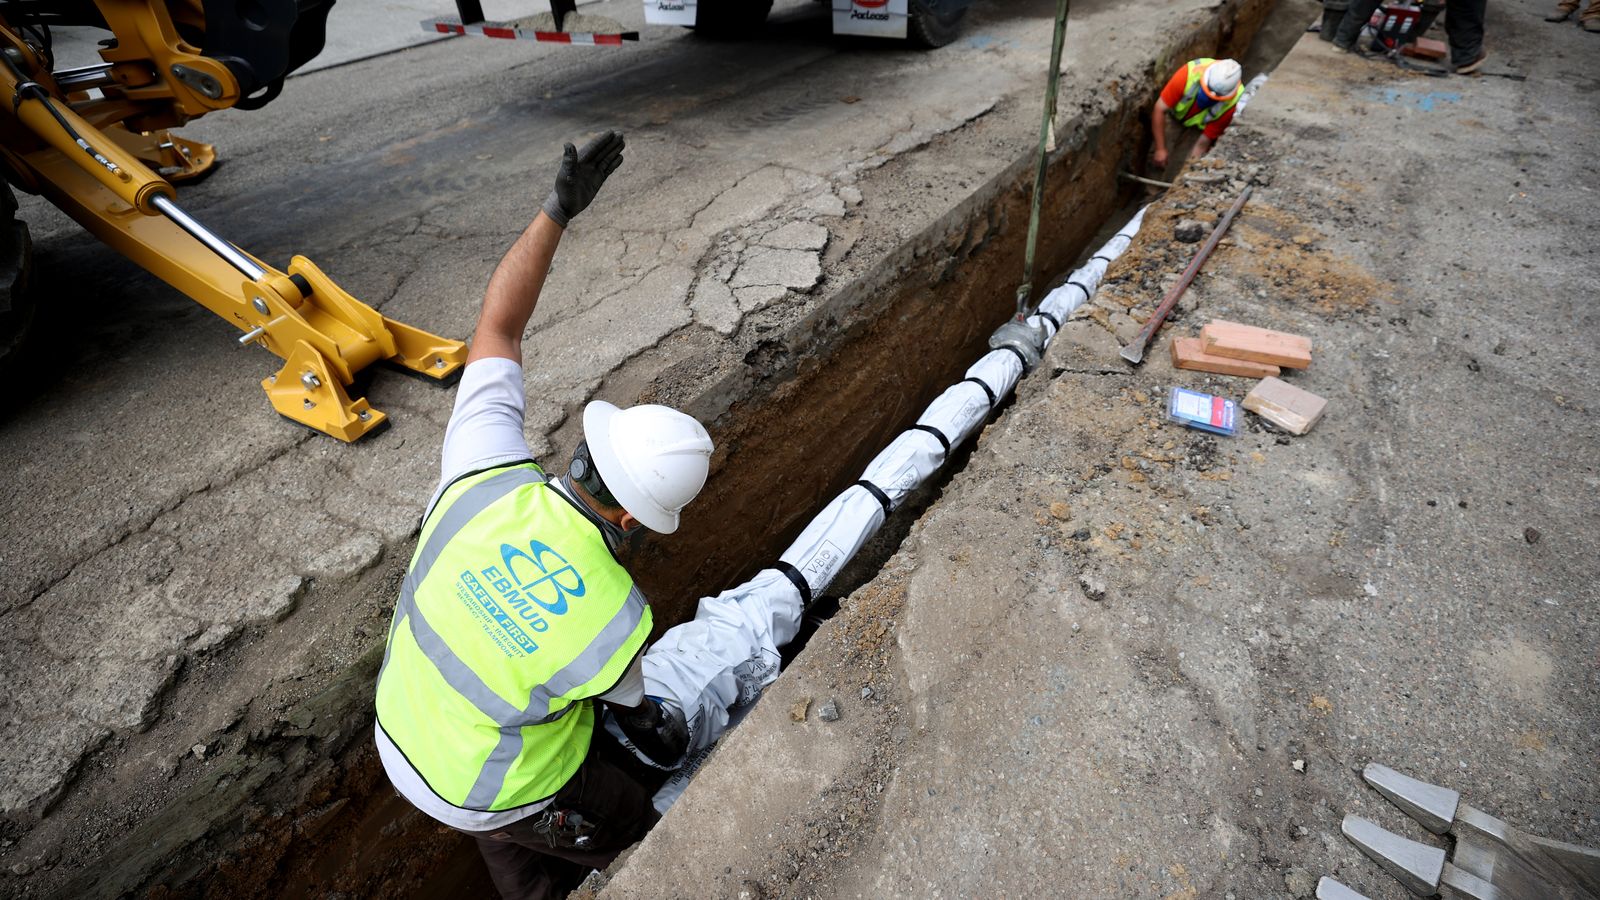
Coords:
pixel 515 32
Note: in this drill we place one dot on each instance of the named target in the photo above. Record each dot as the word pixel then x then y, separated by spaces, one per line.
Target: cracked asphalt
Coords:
pixel 178 557
pixel 158 508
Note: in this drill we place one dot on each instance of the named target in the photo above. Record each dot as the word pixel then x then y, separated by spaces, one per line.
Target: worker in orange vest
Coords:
pixel 1201 94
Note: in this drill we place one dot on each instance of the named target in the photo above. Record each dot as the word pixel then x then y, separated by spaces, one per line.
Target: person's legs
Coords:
pixel 521 873
pixel 1591 15
pixel 601 811
pixel 1564 9
pixel 1357 15
pixel 1463 24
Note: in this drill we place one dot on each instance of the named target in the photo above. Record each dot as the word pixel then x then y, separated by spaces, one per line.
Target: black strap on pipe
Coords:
pixel 793 574
pixel 1054 322
pixel 878 495
pixel 1086 292
pixel 987 391
pixel 1020 358
pixel 937 435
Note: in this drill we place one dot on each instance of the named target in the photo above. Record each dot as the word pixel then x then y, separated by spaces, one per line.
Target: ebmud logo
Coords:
pixel 528 585
pixel 555 580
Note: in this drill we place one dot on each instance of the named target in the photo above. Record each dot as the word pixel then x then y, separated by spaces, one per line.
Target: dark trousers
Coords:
pixel 602 811
pixel 1355 16
pixel 1463 25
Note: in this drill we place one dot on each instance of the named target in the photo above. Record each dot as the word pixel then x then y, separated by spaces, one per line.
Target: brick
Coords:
pixel 1188 353
pixel 1235 341
pixel 1284 405
pixel 1426 48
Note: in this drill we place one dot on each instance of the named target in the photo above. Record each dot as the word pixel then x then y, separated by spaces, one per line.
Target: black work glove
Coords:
pixel 658 730
pixel 582 172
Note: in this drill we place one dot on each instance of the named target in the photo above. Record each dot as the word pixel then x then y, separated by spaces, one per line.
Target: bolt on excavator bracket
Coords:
pixel 325 339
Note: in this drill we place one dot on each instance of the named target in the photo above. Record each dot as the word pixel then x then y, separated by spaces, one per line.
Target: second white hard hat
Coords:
pixel 654 459
pixel 1222 77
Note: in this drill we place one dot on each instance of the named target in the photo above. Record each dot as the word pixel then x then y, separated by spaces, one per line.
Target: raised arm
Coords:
pixel 514 288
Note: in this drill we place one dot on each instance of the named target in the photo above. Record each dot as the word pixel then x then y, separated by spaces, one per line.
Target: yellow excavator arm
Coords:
pixel 93 158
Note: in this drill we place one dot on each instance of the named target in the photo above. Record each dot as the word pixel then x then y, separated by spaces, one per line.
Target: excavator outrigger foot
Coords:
pixel 103 178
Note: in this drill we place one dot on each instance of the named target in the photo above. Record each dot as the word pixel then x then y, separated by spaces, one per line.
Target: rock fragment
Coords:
pixel 1300 882
pixel 1094 587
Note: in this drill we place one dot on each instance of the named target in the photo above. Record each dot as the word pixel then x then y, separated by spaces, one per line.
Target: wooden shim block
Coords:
pixel 1261 345
pixel 1426 48
pixel 1284 405
pixel 1188 353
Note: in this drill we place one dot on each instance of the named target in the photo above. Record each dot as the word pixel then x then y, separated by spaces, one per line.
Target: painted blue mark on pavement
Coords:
pixel 986 41
pixel 1417 99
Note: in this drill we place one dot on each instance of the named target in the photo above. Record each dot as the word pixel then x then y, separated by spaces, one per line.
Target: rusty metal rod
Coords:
pixel 1134 352
pixel 1129 176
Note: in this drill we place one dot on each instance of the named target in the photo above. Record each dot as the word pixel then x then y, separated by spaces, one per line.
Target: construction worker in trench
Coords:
pixel 1201 94
pixel 515 616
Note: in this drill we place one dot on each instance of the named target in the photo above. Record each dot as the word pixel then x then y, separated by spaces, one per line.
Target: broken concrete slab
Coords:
pixel 793 269
pixel 796 236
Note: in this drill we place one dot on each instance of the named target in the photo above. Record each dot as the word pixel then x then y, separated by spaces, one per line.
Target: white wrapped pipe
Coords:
pixel 834 536
pixel 1061 303
pixel 956 413
pixel 1255 84
pixel 719 662
pixel 905 464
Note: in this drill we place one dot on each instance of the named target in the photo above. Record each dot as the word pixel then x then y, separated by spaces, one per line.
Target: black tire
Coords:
pixel 17 305
pixel 731 18
pixel 934 23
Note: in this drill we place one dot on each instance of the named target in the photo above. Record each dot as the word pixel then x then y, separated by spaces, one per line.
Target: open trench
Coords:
pixel 305 809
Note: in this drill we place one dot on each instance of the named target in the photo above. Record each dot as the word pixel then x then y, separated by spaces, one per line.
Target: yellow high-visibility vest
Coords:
pixel 1196 70
pixel 512 617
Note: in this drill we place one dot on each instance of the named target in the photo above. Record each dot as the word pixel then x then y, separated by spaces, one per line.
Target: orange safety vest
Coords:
pixel 1191 91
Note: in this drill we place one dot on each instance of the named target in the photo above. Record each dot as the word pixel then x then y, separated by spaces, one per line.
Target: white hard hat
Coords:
pixel 1222 77
pixel 654 459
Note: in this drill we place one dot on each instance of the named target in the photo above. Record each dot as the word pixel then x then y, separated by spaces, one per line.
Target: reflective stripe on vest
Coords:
pixel 1191 91
pixel 473 746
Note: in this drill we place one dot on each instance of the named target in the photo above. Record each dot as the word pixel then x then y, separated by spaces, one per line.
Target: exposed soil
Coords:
pixel 295 800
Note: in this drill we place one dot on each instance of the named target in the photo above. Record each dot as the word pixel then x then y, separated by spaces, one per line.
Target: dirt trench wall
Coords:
pixel 305 809
pixel 808 410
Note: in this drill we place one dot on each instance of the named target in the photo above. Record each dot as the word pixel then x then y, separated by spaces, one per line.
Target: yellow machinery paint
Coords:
pixel 97 157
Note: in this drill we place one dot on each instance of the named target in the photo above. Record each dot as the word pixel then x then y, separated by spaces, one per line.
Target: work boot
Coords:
pixel 1564 11
pixel 1591 16
pixel 1472 68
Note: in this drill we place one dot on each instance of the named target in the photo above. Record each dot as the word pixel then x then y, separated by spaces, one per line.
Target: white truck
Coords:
pixel 927 23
